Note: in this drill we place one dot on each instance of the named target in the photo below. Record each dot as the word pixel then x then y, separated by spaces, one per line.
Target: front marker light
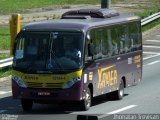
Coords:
pixel 19 81
pixel 71 82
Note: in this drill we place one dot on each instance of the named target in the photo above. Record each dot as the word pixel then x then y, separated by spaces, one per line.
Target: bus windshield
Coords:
pixel 48 51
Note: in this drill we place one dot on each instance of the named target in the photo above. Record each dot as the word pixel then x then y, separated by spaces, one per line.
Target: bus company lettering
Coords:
pixel 137 59
pixel 107 77
pixel 59 78
pixel 27 77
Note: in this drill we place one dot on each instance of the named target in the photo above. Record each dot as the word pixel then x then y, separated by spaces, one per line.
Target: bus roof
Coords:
pixel 78 24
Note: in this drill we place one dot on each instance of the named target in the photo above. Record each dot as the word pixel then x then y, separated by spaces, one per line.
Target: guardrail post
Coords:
pixel 14 29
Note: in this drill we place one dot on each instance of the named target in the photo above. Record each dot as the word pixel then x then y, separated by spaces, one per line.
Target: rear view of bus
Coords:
pixel 85 54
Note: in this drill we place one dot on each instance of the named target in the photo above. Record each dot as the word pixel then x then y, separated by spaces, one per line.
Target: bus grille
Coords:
pixel 44 85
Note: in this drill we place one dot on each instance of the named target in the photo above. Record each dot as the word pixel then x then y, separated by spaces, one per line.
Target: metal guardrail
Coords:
pixel 150 19
pixel 8 62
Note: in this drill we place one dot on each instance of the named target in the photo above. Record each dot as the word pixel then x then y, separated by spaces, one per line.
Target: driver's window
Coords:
pixel 19 53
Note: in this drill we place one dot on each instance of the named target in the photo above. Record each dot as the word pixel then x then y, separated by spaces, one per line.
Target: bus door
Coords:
pixel 101 69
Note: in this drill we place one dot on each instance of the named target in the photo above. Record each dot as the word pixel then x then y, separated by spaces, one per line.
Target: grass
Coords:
pixel 154 8
pixel 3 56
pixel 151 25
pixel 10 6
pixel 4 72
pixel 149 10
pixel 4 38
pixel 14 6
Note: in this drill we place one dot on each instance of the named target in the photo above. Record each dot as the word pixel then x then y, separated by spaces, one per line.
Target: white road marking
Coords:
pixel 151 53
pixel 158 35
pixel 4 92
pixel 151 46
pixel 152 56
pixel 153 41
pixel 152 63
pixel 122 109
pixel 1 111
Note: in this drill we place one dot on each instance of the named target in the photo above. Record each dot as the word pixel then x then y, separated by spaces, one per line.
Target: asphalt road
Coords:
pixel 141 99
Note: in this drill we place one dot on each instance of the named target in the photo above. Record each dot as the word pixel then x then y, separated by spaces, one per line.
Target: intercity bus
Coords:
pixel 86 53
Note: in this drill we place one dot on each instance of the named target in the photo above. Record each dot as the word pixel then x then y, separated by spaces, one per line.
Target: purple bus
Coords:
pixel 86 53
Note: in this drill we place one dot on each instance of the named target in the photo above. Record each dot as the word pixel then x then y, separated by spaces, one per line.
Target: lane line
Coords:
pixel 151 53
pixel 152 56
pixel 151 46
pixel 4 92
pixel 1 111
pixel 122 109
pixel 153 41
pixel 152 63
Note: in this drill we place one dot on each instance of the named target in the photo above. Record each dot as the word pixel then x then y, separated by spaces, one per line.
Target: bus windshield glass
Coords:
pixel 48 51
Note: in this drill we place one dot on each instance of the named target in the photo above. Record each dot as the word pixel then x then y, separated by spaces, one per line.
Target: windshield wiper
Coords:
pixel 54 58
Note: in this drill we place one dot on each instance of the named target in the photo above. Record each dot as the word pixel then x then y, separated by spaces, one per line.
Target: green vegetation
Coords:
pixel 3 56
pixel 154 8
pixel 13 6
pixel 149 11
pixel 4 72
pixel 151 25
pixel 4 38
pixel 4 41
pixel 10 6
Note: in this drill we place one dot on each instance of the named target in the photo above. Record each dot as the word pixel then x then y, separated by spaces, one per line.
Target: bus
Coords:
pixel 86 53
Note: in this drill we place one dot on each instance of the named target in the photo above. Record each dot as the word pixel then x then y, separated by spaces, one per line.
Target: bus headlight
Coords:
pixel 19 81
pixel 71 82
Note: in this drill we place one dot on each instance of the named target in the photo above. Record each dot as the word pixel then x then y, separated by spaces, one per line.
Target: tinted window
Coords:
pixel 96 36
pixel 114 40
pixel 135 36
pixel 106 42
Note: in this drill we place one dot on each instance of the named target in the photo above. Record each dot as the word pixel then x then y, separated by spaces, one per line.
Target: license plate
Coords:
pixel 44 93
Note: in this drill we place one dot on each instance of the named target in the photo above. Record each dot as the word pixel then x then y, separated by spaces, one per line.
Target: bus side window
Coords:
pixel 88 56
pixel 106 51
pixel 95 35
pixel 124 39
pixel 134 34
pixel 110 45
pixel 89 48
pixel 115 43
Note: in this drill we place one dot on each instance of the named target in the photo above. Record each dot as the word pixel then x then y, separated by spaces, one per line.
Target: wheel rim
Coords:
pixel 121 92
pixel 88 99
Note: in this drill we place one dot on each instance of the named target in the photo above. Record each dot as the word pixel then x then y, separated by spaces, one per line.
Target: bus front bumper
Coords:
pixel 72 94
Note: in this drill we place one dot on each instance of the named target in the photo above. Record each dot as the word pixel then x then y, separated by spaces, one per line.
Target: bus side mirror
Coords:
pixel 90 49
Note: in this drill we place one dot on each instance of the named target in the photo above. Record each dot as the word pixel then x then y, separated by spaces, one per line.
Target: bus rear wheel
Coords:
pixel 120 92
pixel 26 104
pixel 86 103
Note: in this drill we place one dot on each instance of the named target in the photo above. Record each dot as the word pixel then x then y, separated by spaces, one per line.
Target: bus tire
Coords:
pixel 120 92
pixel 26 104
pixel 86 103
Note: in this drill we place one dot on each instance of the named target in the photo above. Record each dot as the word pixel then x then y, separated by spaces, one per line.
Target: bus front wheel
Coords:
pixel 86 103
pixel 26 104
